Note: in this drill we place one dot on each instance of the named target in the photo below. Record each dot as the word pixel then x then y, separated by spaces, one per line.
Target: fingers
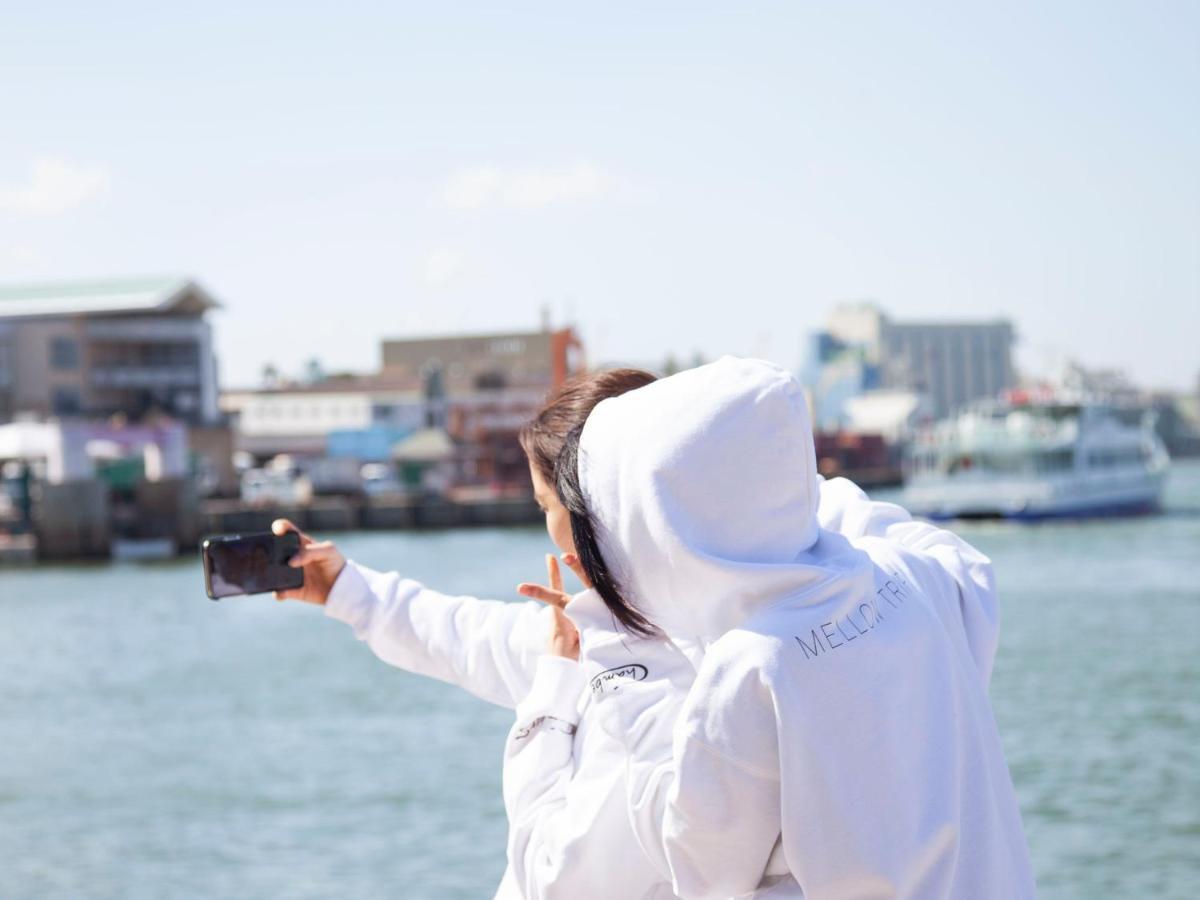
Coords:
pixel 564 636
pixel 553 571
pixel 563 624
pixel 283 526
pixel 545 594
pixel 313 552
pixel 562 629
pixel 573 563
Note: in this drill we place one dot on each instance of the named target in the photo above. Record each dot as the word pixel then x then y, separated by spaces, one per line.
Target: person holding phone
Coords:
pixel 575 842
pixel 556 663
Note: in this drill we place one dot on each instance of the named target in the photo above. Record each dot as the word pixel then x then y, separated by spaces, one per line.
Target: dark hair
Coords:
pixel 567 408
pixel 551 441
pixel 587 546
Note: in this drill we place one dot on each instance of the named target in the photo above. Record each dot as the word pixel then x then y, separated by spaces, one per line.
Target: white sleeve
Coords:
pixel 714 838
pixel 485 646
pixel 721 823
pixel 565 816
pixel 710 821
pixel 966 592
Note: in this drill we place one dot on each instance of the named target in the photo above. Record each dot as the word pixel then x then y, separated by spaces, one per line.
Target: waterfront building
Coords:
pixel 841 372
pixel 486 362
pixel 949 363
pixel 303 420
pixel 95 348
pixel 478 389
pixel 1177 420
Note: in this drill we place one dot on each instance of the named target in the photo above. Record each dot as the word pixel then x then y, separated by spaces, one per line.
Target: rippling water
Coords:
pixel 156 744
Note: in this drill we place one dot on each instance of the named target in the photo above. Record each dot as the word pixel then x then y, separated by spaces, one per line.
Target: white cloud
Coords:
pixel 441 266
pixel 54 186
pixel 489 185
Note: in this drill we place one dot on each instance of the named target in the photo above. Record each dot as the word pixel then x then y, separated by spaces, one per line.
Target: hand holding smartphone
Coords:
pixel 255 563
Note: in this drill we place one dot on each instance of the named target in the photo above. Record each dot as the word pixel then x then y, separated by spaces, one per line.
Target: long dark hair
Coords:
pixel 551 441
pixel 587 546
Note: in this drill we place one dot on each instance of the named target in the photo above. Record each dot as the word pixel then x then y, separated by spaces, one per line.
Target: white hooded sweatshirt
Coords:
pixel 566 833
pixel 566 797
pixel 821 708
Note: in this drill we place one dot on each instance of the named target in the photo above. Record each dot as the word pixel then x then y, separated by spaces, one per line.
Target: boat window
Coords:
pixel 1055 460
pixel 1002 462
pixel 1116 456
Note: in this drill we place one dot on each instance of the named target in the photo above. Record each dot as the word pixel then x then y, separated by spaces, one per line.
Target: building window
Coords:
pixel 490 381
pixel 506 346
pixel 64 353
pixel 66 402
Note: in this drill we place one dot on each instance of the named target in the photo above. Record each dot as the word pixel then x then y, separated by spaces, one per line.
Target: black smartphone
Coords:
pixel 250 563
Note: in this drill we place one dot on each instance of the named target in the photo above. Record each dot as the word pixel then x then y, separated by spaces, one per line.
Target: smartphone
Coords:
pixel 250 563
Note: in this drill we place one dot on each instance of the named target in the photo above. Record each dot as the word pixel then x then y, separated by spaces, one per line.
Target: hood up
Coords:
pixel 703 488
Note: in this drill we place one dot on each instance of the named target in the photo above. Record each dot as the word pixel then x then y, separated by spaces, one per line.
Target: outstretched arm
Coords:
pixel 485 646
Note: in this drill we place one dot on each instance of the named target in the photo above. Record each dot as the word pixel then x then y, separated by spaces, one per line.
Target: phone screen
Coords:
pixel 250 564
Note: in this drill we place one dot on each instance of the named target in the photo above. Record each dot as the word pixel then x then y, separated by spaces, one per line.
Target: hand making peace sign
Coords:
pixel 564 636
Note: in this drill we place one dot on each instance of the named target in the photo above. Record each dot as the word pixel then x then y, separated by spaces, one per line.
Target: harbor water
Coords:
pixel 156 744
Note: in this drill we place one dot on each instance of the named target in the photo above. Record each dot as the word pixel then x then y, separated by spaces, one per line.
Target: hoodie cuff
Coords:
pixel 558 684
pixel 350 598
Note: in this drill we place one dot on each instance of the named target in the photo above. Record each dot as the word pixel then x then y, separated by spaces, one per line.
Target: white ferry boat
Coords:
pixel 1037 456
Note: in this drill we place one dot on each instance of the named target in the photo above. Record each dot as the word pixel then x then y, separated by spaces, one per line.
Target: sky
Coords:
pixel 668 178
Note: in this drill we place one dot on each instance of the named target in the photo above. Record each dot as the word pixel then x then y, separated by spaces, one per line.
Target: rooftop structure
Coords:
pixel 92 349
pixel 465 363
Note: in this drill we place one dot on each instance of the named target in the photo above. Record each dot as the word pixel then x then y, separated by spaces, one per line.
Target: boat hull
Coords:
pixel 1136 494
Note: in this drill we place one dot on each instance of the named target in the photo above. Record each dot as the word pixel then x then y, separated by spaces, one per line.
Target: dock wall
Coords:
pixel 71 520
pixel 332 514
pixel 75 520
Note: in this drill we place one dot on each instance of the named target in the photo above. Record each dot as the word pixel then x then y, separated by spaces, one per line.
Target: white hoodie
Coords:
pixel 838 727
pixel 569 835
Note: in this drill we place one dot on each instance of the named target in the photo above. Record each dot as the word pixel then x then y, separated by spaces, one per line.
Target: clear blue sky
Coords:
pixel 669 177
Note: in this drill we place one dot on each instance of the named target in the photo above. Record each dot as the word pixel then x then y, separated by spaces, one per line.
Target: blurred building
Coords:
pixel 486 362
pixel 1176 416
pixel 476 389
pixel 482 388
pixel 306 419
pixel 92 349
pixel 1177 420
pixel 893 415
pixel 948 364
